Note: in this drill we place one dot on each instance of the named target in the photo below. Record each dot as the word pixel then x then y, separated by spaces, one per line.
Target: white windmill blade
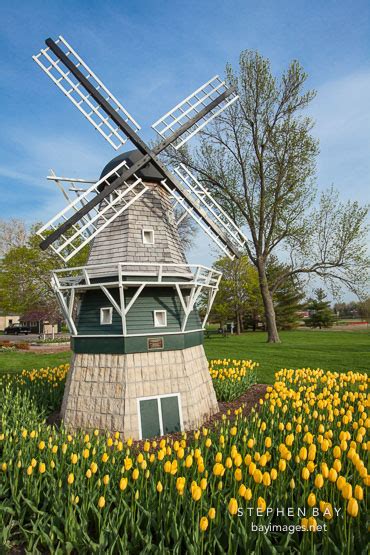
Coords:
pixel 180 200
pixel 192 105
pixel 99 217
pixel 204 199
pixel 80 97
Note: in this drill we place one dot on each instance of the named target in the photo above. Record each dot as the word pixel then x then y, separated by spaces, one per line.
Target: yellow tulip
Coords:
pixel 203 524
pixel 333 475
pixel 266 479
pixel 337 465
pixel 341 482
pixel 352 507
pixel 159 487
pixel 212 513
pixel 106 479
pixel 347 491
pixel 305 473
pixel 311 500
pixel 233 506
pixel 238 474
pixel 312 524
pixel 42 468
pixel 135 474
pixel 188 461
pixel 261 504
pixel 93 467
pixel 319 481
pixel 196 493
pixel 337 452
pixel 304 524
pixel 359 493
pixel 101 502
pixel 328 511
pixel 70 478
pixel 248 494
pixel 282 465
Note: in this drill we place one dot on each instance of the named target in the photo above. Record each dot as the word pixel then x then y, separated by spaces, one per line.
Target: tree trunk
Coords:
pixel 272 332
pixel 237 319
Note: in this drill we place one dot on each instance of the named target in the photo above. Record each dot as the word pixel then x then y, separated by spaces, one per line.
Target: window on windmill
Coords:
pixel 148 236
pixel 106 316
pixel 160 318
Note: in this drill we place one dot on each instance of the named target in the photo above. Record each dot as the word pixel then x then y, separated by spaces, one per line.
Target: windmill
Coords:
pixel 138 365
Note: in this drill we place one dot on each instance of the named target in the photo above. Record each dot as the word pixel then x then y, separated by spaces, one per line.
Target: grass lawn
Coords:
pixel 330 350
pixel 18 361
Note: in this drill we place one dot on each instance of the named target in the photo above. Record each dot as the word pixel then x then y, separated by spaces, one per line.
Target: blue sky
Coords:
pixel 151 54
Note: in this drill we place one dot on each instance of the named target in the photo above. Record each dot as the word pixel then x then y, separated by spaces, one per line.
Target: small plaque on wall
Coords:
pixel 155 343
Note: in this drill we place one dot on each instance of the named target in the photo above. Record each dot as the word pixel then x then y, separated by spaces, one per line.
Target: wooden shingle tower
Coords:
pixel 139 365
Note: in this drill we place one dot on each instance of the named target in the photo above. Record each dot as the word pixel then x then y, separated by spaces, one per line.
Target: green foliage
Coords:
pixel 287 297
pixel 239 297
pixel 238 294
pixel 321 315
pixel 25 277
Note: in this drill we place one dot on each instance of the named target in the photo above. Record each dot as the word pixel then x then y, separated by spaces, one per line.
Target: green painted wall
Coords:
pixel 139 318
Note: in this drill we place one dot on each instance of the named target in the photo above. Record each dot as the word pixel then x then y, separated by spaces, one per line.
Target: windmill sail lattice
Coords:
pixel 204 199
pixel 80 97
pixel 192 105
pixel 99 217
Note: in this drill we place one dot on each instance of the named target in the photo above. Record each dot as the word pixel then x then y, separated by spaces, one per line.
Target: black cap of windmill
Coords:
pixel 148 173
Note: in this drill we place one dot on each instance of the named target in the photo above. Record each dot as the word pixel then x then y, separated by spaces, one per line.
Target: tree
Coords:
pixel 13 233
pixel 258 160
pixel 347 310
pixel 288 296
pixel 321 315
pixel 239 296
pixel 238 293
pixel 364 309
pixel 25 277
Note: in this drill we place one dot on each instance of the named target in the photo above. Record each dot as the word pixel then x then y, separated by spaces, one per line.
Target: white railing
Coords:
pixel 189 280
pixel 134 273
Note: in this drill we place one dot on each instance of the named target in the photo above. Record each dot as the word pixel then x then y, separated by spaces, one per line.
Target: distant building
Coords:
pixel 39 322
pixel 7 320
pixel 303 314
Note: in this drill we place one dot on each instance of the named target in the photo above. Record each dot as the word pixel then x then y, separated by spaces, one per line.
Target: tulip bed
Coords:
pixel 305 448
pixel 232 378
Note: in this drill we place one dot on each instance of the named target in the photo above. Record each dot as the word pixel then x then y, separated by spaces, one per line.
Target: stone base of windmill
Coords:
pixel 102 390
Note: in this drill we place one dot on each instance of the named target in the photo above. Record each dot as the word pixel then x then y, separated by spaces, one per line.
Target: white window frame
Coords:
pixel 110 308
pixel 156 324
pixel 147 230
pixel 158 398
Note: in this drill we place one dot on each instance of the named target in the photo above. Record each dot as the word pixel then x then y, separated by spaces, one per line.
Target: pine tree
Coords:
pixel 287 298
pixel 321 315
